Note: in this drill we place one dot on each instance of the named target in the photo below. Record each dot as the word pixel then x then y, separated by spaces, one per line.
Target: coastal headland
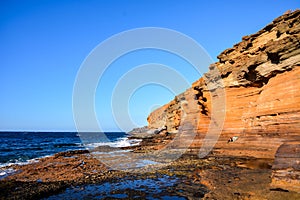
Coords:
pixel 254 88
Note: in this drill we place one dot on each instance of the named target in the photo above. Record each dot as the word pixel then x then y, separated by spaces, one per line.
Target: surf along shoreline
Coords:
pixel 79 174
pixel 255 66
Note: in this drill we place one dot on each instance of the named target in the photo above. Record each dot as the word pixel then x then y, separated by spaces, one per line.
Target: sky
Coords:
pixel 44 44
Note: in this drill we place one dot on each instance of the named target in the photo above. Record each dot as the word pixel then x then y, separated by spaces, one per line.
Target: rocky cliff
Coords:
pixel 252 93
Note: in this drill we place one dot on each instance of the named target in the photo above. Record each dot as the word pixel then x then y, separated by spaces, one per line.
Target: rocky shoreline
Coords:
pixel 212 177
pixel 256 154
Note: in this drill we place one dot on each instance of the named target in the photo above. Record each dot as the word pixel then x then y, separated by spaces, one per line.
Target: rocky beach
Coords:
pixel 246 107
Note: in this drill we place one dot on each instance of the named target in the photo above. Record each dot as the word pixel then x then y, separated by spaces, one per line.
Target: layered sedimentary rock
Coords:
pixel 286 167
pixel 251 93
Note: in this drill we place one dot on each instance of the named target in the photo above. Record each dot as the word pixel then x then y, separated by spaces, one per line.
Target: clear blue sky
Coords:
pixel 44 42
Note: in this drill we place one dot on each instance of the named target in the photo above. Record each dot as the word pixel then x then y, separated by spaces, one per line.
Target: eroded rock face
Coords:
pixel 260 80
pixel 286 167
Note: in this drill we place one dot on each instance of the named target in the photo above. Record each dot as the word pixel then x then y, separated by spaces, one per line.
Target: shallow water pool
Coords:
pixel 157 188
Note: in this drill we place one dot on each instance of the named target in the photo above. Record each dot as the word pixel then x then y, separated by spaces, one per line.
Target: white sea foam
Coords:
pixel 122 142
pixel 6 172
pixel 17 162
pixel 5 169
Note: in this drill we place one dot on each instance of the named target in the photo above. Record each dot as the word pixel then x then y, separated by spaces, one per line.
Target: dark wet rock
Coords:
pixel 199 194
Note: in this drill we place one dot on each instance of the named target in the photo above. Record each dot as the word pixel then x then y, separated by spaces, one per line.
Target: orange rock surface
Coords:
pixel 252 93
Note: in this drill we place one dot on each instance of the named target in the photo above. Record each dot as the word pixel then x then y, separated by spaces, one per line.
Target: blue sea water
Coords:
pixel 21 147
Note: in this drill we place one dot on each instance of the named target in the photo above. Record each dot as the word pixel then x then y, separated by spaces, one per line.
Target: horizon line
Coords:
pixel 61 131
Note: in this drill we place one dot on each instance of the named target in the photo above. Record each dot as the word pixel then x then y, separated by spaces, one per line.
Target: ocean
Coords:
pixel 24 147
